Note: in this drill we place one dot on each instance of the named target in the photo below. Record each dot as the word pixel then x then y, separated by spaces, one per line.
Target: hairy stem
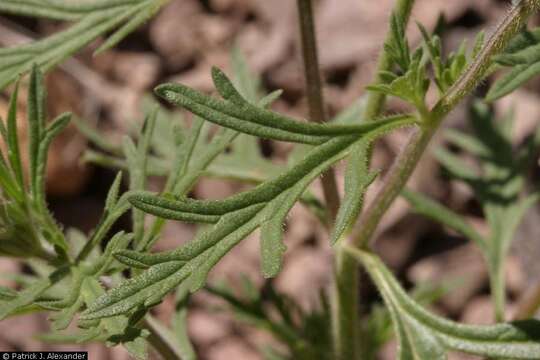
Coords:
pixel 396 179
pixel 406 162
pixel 345 297
pixel 506 30
pixel 408 159
pixel 314 93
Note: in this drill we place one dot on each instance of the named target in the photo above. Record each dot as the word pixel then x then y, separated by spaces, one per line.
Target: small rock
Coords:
pixel 305 272
pixel 232 348
pixel 463 266
pixel 207 329
pixel 138 70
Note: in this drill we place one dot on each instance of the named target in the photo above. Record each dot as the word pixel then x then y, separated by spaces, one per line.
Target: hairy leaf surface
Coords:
pixel 422 335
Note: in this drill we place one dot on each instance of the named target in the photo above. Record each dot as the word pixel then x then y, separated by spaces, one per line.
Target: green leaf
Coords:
pixel 94 136
pixel 59 9
pixel 137 160
pixel 458 168
pixel 63 318
pixel 183 156
pixel 240 215
pixel 398 47
pixel 134 292
pixel 247 83
pixel 497 182
pixel 36 122
pixel 233 218
pixel 46 139
pixel 93 19
pixel 357 179
pixel 226 226
pixel 30 294
pixel 117 328
pixel 244 160
pixel 112 195
pixel 107 221
pixel 422 334
pixel 144 13
pixel 14 154
pixel 421 204
pixel 517 76
pixel 7 293
pixel 523 56
pixel 272 246
pixel 411 86
pixel 77 337
pixel 447 71
pixel 100 266
pixel 236 113
pixel 468 143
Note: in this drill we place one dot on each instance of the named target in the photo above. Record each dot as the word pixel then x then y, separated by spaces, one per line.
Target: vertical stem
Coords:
pixel 406 162
pixel 345 297
pixel 498 291
pixel 396 179
pixel 314 92
pixel 345 294
pixel 345 307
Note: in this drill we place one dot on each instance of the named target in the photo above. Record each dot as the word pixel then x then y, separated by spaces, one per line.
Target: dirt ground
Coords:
pixel 181 44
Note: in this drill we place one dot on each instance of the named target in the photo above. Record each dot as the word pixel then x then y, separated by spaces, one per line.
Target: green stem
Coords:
pixel 345 307
pixel 408 159
pixel 506 30
pixel 496 280
pixel 163 342
pixel 314 93
pixel 345 297
pixel 396 179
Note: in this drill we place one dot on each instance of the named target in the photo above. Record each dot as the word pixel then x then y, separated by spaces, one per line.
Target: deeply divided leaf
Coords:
pixel 422 334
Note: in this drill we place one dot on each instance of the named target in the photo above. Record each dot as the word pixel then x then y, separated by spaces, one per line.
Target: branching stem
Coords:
pixel 346 306
pixel 345 296
pixel 405 164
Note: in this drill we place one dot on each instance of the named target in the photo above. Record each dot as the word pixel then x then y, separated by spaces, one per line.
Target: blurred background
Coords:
pixel 180 45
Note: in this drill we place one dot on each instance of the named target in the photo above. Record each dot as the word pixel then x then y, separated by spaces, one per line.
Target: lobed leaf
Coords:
pixel 523 56
pixel 238 216
pixel 118 329
pixel 60 9
pixel 94 19
pixel 30 294
pixel 236 113
pixel 412 86
pixel 134 292
pixel 438 212
pixel 421 333
pixel 357 179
